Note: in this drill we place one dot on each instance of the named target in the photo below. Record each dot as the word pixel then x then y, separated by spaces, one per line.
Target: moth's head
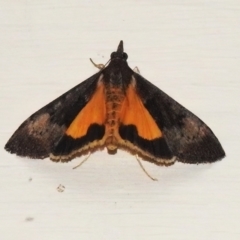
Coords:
pixel 119 53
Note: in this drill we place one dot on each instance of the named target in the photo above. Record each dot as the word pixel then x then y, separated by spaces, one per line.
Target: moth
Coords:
pixel 116 108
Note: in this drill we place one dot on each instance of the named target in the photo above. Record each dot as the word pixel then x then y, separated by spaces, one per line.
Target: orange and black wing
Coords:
pixel 139 133
pixel 55 129
pixel 161 130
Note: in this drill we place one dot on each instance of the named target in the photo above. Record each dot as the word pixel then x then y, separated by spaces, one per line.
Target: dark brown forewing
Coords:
pixel 37 135
pixel 188 137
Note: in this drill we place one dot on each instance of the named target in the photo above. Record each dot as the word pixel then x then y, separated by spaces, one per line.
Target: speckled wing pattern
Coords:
pixel 38 135
pixel 188 138
pixel 116 109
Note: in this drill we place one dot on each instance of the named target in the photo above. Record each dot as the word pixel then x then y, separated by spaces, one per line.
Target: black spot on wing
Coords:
pixel 158 148
pixel 68 145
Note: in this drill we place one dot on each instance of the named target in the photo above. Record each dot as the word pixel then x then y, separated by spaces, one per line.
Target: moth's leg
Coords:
pixel 139 161
pixel 83 161
pixel 99 66
pixel 136 69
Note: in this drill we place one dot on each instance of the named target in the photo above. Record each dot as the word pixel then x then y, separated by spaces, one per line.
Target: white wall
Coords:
pixel 190 49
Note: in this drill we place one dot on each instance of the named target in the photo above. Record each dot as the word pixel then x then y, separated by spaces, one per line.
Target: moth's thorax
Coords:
pixel 114 99
pixel 117 73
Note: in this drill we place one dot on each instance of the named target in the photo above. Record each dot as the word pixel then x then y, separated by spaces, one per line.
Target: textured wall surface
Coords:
pixel 190 49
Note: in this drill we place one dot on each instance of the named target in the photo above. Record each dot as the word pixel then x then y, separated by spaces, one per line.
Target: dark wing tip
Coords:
pixel 21 147
pixel 206 150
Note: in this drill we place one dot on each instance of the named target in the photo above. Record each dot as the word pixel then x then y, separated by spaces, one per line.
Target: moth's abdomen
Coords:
pixel 114 100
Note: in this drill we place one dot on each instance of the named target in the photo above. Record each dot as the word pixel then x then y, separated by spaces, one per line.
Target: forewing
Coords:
pixel 38 135
pixel 189 138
